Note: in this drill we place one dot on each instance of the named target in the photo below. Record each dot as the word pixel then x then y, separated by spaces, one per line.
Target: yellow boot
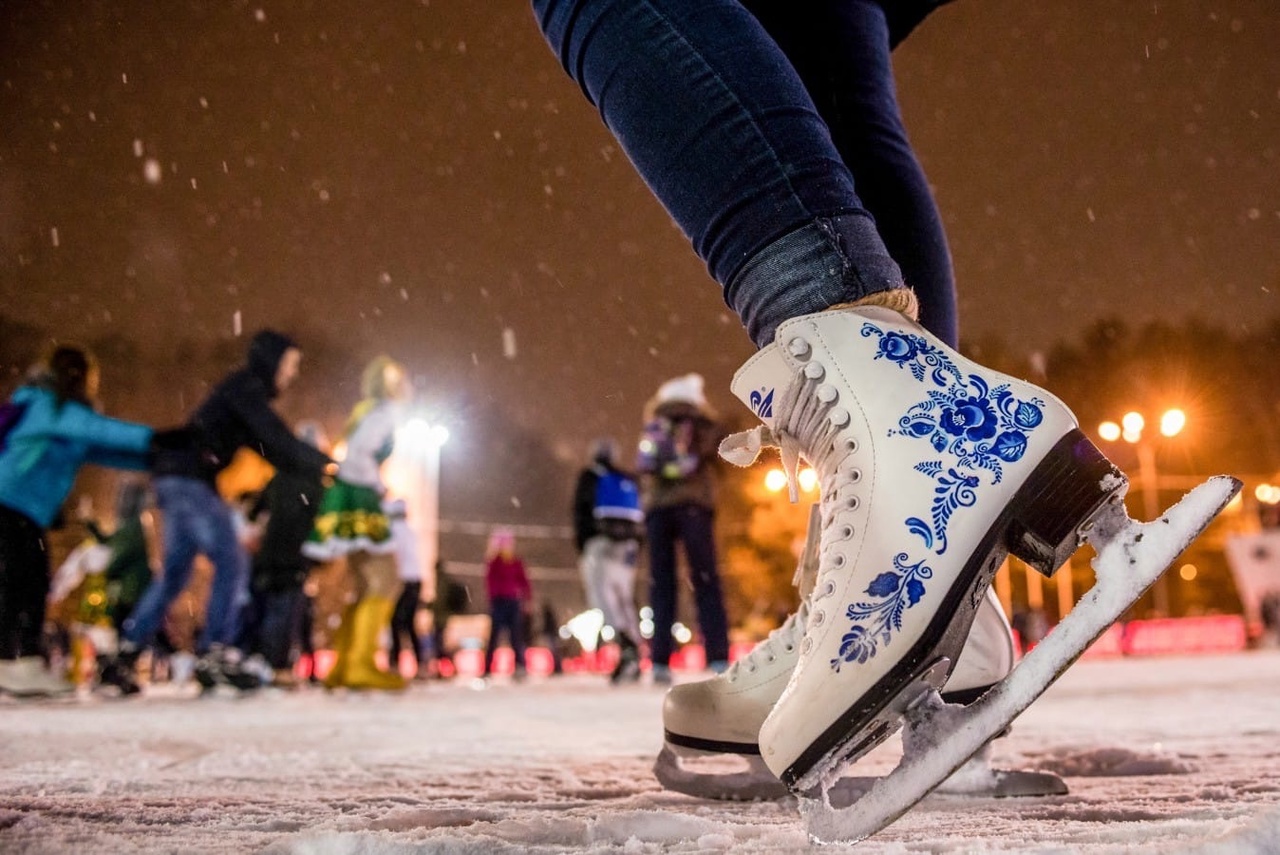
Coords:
pixel 371 615
pixel 341 650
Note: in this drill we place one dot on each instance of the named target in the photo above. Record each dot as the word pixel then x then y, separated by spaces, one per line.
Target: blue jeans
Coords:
pixel 694 527
pixel 771 132
pixel 196 521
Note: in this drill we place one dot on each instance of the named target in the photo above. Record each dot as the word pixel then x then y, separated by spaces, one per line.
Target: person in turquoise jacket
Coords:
pixel 57 432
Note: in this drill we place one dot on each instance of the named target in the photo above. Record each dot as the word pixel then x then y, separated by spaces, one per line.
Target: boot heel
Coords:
pixel 1064 492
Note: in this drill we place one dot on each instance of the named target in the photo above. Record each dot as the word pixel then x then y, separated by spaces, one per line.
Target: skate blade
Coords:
pixel 717 776
pixel 745 778
pixel 1130 557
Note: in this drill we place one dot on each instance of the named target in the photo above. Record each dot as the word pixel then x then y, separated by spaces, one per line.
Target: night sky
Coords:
pixel 421 178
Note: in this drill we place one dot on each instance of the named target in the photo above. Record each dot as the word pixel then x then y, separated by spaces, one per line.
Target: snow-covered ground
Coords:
pixel 1162 755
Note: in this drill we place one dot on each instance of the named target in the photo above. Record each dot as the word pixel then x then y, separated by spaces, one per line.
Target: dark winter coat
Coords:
pixel 238 414
pixel 585 524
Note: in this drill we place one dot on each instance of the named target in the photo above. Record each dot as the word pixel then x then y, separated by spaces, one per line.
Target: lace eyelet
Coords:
pixel 838 561
pixel 815 371
pixel 798 347
pixel 827 393
pixel 818 618
pixel 851 445
pixel 846 532
pixel 831 589
pixel 852 503
pixel 790 648
pixel 772 659
pixel 839 417
pixel 855 475
pixel 806 645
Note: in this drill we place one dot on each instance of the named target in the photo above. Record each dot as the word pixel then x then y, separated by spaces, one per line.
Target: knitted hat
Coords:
pixel 687 388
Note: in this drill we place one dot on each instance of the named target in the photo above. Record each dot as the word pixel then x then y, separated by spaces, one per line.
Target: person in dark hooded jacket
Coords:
pixel 236 414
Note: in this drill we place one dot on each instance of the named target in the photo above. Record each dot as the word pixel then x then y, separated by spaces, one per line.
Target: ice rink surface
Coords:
pixel 1168 755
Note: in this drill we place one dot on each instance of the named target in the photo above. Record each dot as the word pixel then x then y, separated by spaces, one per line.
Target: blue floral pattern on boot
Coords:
pixel 977 428
pixel 875 622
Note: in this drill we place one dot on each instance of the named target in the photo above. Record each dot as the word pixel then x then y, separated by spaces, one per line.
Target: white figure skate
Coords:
pixel 932 468
pixel 710 727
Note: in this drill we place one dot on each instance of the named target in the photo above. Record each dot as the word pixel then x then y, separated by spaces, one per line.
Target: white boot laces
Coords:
pixel 810 412
pixel 810 425
pixel 784 637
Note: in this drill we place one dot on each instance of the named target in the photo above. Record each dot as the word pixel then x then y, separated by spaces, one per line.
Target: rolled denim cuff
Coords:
pixel 831 260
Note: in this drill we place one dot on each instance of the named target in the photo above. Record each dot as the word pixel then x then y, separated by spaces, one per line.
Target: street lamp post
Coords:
pixel 1130 430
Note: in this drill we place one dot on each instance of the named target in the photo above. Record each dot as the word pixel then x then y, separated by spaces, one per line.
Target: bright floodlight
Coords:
pixel 808 479
pixel 415 431
pixel 1110 431
pixel 1133 422
pixel 419 433
pixel 776 480
pixel 1172 422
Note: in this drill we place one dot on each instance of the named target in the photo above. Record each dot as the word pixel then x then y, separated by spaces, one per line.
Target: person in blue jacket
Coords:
pixel 58 431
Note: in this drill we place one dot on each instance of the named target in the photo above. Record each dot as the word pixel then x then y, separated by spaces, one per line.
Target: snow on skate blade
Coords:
pixel 939 738
pixel 711 775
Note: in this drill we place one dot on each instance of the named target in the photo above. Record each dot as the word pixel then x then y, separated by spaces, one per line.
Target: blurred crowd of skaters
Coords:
pixel 321 528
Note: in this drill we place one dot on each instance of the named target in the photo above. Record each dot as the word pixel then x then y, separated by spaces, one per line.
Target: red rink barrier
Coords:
pixel 1211 634
pixel 1172 637
pixel 1156 637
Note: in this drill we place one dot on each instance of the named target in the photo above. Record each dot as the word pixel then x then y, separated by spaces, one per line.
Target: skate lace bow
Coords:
pixel 742 449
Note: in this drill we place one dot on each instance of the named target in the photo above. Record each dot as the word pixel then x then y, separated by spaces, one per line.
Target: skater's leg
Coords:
pixel 250 635
pixel 495 628
pixel 372 615
pixel 617 589
pixel 24 585
pixel 174 499
pixel 721 127
pixel 841 50
pixel 278 628
pixel 504 613
pixel 661 525
pixel 402 620
pixel 697 533
pixel 592 566
pixel 215 533
pixel 518 643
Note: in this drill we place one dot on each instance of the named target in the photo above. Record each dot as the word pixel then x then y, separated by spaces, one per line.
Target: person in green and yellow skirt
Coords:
pixel 351 524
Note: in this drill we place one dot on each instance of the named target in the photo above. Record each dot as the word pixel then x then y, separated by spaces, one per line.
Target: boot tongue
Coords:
pixel 761 381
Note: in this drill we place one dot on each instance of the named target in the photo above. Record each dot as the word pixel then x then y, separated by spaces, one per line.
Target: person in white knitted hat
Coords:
pixel 677 458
